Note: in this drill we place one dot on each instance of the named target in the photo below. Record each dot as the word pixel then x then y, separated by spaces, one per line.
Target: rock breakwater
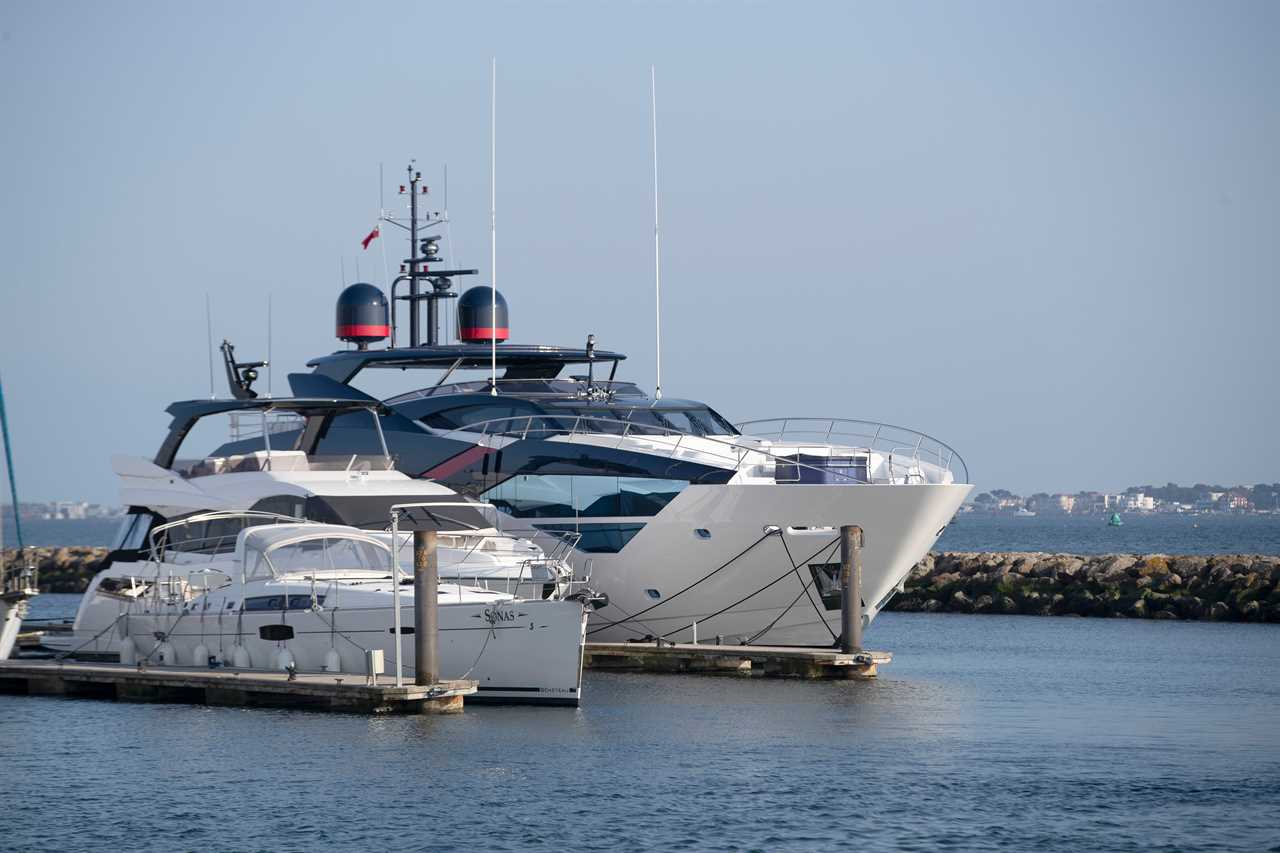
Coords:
pixel 63 569
pixel 1226 587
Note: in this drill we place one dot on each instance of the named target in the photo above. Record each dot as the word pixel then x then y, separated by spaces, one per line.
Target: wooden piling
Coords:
pixel 850 588
pixel 426 621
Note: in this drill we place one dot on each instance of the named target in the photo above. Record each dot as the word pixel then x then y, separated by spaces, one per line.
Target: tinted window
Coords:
pixel 133 530
pixel 571 495
pixel 278 602
pixel 597 538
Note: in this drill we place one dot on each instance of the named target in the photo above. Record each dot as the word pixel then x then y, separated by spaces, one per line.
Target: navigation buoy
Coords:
pixel 482 316
pixel 362 315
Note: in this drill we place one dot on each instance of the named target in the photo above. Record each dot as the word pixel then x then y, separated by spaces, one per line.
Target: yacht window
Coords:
pixel 133 530
pixel 281 602
pixel 571 495
pixel 648 422
pixel 698 421
pixel 349 434
pixel 501 417
pixel 290 505
pixel 597 538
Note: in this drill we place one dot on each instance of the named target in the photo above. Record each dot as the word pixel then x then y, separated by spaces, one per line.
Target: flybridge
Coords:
pixel 521 361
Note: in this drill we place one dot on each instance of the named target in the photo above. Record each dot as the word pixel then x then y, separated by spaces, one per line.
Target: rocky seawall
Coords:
pixel 63 569
pixel 1225 587
pixel 1232 588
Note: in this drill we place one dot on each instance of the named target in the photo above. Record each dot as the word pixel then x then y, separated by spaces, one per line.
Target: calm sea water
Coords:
pixel 1174 534
pixel 985 731
pixel 1140 534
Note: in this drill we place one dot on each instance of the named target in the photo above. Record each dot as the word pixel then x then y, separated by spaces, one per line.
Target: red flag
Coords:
pixel 372 235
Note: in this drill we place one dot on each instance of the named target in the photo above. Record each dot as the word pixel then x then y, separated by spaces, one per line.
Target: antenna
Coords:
pixel 657 254
pixel 493 222
pixel 208 325
pixel 448 235
pixel 270 370
pixel 382 215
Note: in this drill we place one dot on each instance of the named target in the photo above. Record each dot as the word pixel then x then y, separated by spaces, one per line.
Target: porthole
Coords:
pixel 702 533
pixel 653 593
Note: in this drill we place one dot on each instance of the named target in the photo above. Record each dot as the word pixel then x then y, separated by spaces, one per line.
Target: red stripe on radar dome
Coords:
pixel 363 330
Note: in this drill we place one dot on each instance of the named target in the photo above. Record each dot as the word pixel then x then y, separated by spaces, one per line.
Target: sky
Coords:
pixel 1045 233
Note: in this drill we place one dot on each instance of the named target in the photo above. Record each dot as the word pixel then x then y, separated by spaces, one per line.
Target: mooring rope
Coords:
pixel 710 574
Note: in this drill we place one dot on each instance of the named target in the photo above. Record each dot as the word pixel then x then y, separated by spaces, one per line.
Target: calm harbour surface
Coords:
pixel 985 731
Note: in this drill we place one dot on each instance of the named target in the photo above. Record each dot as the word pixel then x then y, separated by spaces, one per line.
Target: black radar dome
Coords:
pixel 362 315
pixel 482 316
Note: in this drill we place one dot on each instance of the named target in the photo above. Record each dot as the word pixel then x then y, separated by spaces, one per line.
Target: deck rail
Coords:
pixel 903 463
pixel 898 441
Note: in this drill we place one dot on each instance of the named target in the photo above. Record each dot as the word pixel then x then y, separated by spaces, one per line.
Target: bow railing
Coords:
pixel 907 456
pixel 896 441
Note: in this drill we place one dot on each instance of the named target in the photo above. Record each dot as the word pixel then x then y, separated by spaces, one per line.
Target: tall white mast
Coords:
pixel 657 254
pixel 208 328
pixel 493 225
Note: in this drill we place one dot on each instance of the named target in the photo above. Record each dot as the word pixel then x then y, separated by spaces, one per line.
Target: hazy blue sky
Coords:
pixel 1044 232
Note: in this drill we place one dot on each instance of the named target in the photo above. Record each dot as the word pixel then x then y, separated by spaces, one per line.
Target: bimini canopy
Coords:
pixel 310 549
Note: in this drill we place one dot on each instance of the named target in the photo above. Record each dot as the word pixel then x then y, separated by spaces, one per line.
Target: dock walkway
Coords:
pixel 236 687
pixel 762 661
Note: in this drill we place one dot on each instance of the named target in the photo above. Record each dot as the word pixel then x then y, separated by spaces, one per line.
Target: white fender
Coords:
pixel 332 662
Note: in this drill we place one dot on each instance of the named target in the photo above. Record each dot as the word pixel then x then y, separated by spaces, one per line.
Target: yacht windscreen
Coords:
pixel 373 512
pixel 132 533
pixel 328 555
pixel 699 420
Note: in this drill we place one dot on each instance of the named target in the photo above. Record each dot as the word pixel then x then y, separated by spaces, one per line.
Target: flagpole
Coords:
pixel 493 226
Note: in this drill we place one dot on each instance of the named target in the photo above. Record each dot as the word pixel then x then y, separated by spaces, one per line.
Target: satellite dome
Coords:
pixel 362 315
pixel 482 316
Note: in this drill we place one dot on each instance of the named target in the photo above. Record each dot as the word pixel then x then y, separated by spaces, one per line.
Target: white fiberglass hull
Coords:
pixel 517 651
pixel 740 582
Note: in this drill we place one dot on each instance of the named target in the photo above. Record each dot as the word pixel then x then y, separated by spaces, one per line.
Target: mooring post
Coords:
pixel 425 608
pixel 850 588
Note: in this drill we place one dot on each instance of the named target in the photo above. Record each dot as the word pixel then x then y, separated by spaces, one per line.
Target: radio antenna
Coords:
pixel 208 326
pixel 657 255
pixel 493 225
pixel 270 370
pixel 448 235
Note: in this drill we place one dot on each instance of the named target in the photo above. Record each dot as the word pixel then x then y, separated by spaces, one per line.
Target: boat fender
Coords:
pixel 332 662
pixel 200 655
pixel 166 654
pixel 240 657
pixel 128 652
pixel 284 660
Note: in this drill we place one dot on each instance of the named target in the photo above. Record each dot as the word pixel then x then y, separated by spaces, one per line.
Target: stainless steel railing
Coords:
pixel 907 455
pixel 898 442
